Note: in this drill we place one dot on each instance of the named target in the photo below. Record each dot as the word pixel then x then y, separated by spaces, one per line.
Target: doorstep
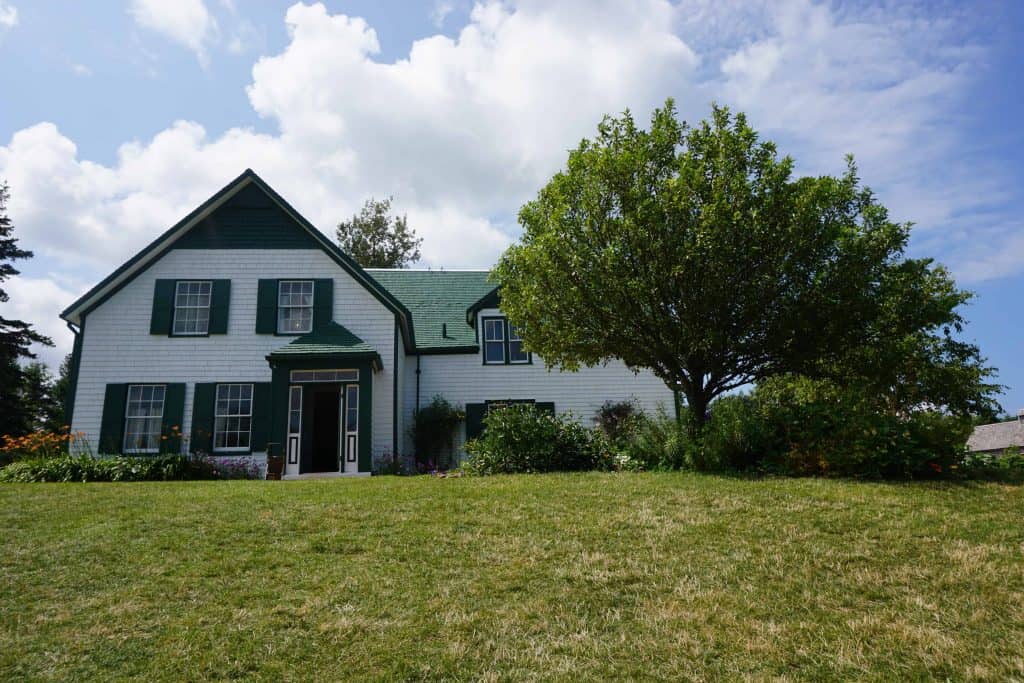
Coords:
pixel 324 475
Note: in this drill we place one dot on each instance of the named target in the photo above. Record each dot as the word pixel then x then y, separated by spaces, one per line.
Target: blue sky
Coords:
pixel 117 118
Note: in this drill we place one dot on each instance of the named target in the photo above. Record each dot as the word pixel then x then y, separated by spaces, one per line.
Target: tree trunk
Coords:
pixel 696 412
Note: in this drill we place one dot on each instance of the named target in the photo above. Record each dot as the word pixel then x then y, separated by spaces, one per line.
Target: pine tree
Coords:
pixel 16 336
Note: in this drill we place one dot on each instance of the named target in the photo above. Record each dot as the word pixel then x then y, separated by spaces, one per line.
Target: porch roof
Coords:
pixel 331 340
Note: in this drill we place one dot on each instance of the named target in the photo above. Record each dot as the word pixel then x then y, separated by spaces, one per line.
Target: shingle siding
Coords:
pixel 118 347
pixel 462 378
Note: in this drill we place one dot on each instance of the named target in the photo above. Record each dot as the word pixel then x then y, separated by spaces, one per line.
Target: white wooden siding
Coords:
pixel 463 378
pixel 118 348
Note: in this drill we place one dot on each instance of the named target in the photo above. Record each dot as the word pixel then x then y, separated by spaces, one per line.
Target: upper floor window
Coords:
pixel 494 341
pixel 515 347
pixel 503 344
pixel 192 307
pixel 143 416
pixel 232 422
pixel 295 306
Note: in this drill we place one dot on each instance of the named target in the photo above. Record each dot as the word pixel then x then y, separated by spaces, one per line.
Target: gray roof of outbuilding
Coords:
pixel 996 437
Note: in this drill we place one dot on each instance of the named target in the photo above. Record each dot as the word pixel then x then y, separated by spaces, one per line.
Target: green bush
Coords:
pixel 818 428
pixel 737 437
pixel 433 431
pixel 1007 466
pixel 657 442
pixel 125 468
pixel 520 438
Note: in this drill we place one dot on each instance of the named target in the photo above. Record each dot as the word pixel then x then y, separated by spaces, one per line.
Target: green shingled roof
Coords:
pixel 437 298
pixel 330 340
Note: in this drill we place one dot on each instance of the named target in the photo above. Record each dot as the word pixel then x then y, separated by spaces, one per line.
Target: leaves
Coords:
pixel 375 239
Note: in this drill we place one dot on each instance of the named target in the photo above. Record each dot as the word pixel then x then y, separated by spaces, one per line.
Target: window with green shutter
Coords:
pixel 230 417
pixel 291 306
pixel 190 308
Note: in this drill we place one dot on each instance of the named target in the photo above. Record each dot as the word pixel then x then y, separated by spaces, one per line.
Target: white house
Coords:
pixel 244 327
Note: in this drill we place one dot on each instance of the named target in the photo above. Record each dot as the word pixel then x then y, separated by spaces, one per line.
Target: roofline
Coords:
pixel 161 244
pixel 489 300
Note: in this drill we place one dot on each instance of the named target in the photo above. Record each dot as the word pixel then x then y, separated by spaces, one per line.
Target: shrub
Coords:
pixel 521 438
pixel 658 442
pixel 35 445
pixel 817 427
pixel 737 437
pixel 619 420
pixel 433 432
pixel 67 468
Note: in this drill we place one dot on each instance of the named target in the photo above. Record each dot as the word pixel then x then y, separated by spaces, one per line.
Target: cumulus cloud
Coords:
pixel 8 15
pixel 187 22
pixel 463 129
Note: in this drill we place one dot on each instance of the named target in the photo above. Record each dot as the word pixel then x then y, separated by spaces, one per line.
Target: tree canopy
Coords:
pixel 376 239
pixel 695 252
pixel 16 336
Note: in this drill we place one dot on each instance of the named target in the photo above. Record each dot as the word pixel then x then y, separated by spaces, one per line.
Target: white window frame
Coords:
pixel 217 415
pixel 177 307
pixel 282 307
pixel 500 324
pixel 143 418
pixel 517 338
pixel 311 376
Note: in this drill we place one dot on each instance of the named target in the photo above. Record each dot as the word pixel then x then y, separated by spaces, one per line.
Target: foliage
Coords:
pixel 40 400
pixel 520 438
pixel 37 445
pixel 618 420
pixel 1007 466
pixel 16 336
pixel 433 431
pixel 375 239
pixel 695 253
pixel 68 468
pixel 738 437
pixel 821 428
pixel 658 442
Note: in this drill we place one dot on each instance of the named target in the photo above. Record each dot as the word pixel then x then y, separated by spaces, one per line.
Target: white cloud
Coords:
pixel 440 12
pixel 187 22
pixel 81 70
pixel 31 296
pixel 8 15
pixel 463 130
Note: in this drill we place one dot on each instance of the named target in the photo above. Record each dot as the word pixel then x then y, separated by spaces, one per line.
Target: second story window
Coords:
pixel 494 341
pixel 295 306
pixel 192 307
pixel 515 347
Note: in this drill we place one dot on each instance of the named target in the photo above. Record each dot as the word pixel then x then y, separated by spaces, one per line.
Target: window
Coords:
pixel 295 306
pixel 494 341
pixel 503 345
pixel 143 417
pixel 232 417
pixel 325 376
pixel 516 354
pixel 192 307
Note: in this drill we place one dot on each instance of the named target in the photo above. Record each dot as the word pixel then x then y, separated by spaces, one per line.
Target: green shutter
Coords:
pixel 266 307
pixel 475 420
pixel 202 417
pixel 219 303
pixel 112 424
pixel 545 407
pixel 163 307
pixel 174 413
pixel 261 408
pixel 323 303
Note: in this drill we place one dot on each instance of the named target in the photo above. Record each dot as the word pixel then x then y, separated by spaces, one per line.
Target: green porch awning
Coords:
pixel 327 342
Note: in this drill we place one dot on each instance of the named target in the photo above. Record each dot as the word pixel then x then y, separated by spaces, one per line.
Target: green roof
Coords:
pixel 438 301
pixel 331 340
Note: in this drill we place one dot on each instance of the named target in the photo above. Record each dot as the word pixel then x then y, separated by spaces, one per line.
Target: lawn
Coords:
pixel 507 578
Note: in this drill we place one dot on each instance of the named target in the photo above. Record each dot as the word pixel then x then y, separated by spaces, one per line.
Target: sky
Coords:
pixel 118 118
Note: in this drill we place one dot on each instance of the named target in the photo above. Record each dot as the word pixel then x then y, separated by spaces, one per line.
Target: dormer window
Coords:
pixel 294 306
pixel 503 344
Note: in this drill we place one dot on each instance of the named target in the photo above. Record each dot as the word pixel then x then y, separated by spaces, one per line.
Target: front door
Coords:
pixel 324 423
pixel 323 428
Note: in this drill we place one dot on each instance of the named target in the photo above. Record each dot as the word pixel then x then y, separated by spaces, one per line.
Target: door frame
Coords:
pixel 281 391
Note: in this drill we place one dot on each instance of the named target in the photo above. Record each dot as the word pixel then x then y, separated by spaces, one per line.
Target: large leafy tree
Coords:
pixel 376 239
pixel 696 253
pixel 16 336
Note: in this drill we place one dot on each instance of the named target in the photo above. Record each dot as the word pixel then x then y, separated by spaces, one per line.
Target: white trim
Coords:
pixel 216 415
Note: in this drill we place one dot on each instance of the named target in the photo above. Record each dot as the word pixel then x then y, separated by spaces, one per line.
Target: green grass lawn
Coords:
pixel 507 578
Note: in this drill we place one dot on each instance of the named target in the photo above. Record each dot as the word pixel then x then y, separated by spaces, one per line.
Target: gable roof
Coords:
pixel 996 437
pixel 438 300
pixel 158 247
